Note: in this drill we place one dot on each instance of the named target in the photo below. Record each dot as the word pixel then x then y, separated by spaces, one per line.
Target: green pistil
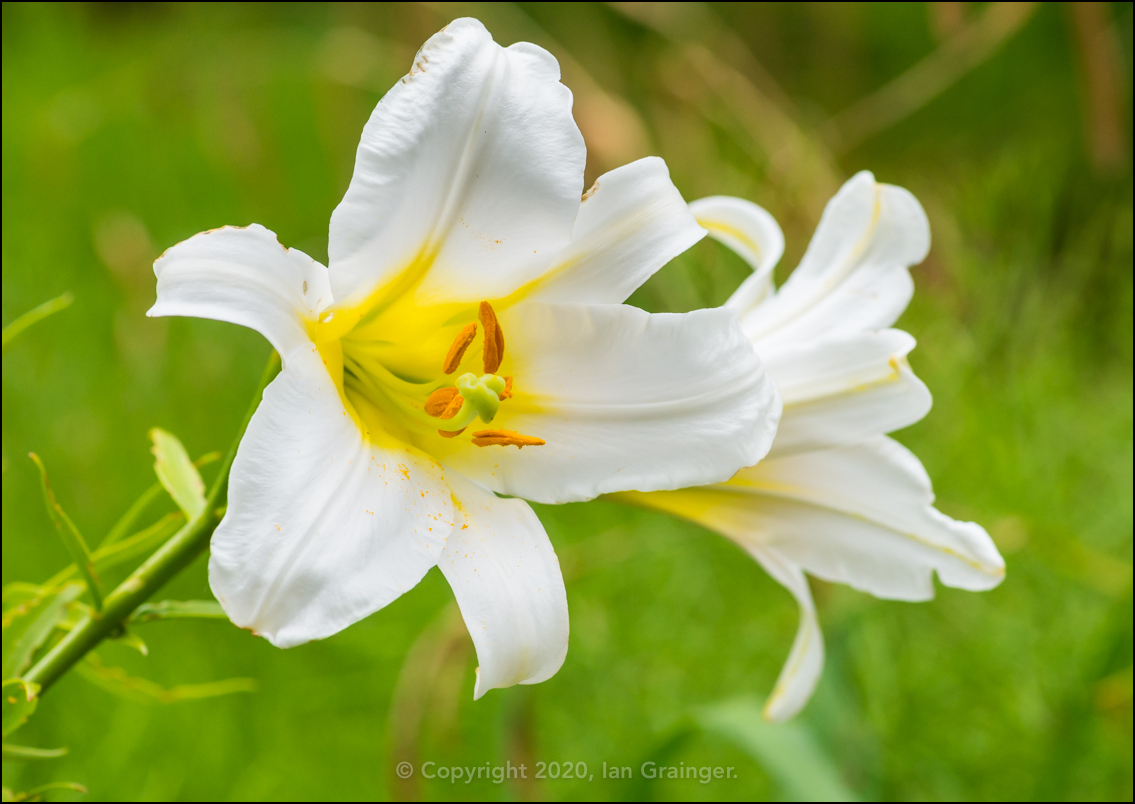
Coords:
pixel 481 397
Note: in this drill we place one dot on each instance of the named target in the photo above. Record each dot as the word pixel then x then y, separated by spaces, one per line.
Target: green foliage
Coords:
pixel 787 751
pixel 35 315
pixel 23 753
pixel 119 682
pixel 176 609
pixel 72 539
pixel 177 474
pixel 29 622
pixel 20 699
pixel 129 128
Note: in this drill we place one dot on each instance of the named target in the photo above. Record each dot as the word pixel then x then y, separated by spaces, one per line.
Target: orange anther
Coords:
pixel 439 400
pixel 457 350
pixel 452 408
pixel 450 433
pixel 507 392
pixel 504 438
pixel 493 352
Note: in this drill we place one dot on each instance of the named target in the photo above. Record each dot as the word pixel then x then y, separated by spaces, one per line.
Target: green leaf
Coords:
pixel 72 539
pixel 141 543
pixel 19 592
pixel 28 624
pixel 116 680
pixel 35 315
pixel 177 473
pixel 24 752
pixel 19 703
pixel 787 751
pixel 169 609
pixel 129 519
pixel 132 640
pixel 36 793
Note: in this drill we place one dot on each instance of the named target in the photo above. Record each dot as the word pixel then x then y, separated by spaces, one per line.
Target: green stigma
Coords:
pixel 482 398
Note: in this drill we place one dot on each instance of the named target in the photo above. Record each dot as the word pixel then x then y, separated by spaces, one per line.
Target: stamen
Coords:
pixel 439 400
pixel 450 433
pixel 504 438
pixel 460 344
pixel 452 408
pixel 507 392
pixel 493 352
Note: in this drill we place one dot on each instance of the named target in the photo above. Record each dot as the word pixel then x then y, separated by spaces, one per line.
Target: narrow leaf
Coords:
pixel 141 543
pixel 169 609
pixel 177 473
pixel 36 315
pixel 36 793
pixel 116 680
pixel 787 751
pixel 29 624
pixel 19 703
pixel 72 539
pixel 23 752
pixel 129 519
pixel 19 592
pixel 132 640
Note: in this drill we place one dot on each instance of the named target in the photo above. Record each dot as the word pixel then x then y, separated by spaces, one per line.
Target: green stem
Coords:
pixel 174 556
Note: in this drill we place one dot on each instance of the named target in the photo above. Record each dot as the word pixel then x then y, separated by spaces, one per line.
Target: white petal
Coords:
pixel 243 276
pixel 624 400
pixel 470 168
pixel 801 672
pixel 323 526
pixel 631 222
pixel 861 515
pixel 842 390
pixel 854 276
pixel 753 234
pixel 507 581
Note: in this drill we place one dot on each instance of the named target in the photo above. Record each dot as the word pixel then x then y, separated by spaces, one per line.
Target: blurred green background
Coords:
pixel 127 128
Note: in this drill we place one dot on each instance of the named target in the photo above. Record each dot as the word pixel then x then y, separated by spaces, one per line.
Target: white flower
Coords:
pixel 471 308
pixel 835 497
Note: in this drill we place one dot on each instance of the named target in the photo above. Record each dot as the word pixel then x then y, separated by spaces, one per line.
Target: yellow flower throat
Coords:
pixel 386 365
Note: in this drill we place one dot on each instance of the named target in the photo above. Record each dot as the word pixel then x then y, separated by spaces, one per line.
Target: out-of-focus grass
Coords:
pixel 129 128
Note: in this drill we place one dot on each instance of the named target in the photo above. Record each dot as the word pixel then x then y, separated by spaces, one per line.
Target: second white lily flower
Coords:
pixel 467 338
pixel 835 497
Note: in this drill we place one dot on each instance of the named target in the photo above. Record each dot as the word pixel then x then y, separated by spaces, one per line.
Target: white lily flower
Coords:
pixel 835 497
pixel 376 452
